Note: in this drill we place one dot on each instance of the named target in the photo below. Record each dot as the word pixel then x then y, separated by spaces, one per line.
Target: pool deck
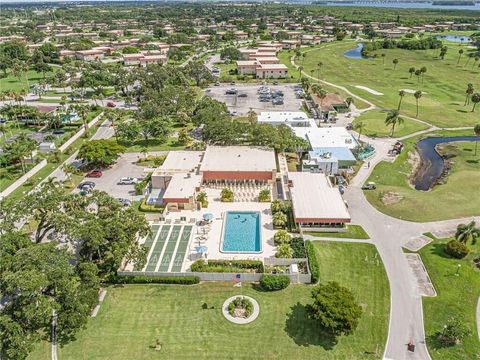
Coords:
pixel 214 235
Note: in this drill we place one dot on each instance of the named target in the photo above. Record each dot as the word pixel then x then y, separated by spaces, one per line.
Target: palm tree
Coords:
pixel 418 94
pixel 383 58
pixel 319 66
pixel 467 232
pixel 393 118
pixel 423 70
pixel 300 69
pixel 395 63
pixel 469 92
pixel 418 73
pixel 476 130
pixel 349 100
pixel 411 71
pixel 475 100
pixel 475 61
pixel 322 94
pixel 401 93
pixel 83 111
pixel 460 52
pixel 359 127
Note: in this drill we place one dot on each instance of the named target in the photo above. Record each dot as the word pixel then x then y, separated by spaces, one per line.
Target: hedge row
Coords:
pixel 274 282
pixel 225 266
pixel 312 261
pixel 142 279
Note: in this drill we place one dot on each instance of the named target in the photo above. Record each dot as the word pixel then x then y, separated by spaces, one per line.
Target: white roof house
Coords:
pixel 178 161
pixel 182 186
pixel 327 137
pixel 315 200
pixel 291 118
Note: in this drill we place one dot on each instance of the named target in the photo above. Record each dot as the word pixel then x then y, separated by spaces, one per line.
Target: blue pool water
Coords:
pixel 241 232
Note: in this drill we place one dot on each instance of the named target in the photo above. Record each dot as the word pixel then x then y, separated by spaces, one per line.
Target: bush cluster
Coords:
pixel 240 303
pixel 312 261
pixel 298 248
pixel 274 282
pixel 456 249
pixel 143 279
pixel 226 266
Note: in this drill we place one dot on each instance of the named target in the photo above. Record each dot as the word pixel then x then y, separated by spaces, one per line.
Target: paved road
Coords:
pixel 389 235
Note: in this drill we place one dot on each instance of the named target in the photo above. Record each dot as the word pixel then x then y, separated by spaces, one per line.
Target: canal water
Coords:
pixel 432 164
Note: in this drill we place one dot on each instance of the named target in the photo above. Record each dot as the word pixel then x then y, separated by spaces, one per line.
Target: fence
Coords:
pixel 19 182
pixel 283 261
pixel 79 133
pixel 212 276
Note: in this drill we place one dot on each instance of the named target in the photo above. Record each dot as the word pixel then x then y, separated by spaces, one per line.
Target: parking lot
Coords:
pixel 242 104
pixel 125 167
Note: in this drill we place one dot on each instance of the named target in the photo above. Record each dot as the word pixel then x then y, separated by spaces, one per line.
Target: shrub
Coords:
pixel 240 303
pixel 281 237
pixel 264 195
pixel 453 332
pixel 143 279
pixel 202 199
pixel 274 282
pixel 279 219
pixel 312 261
pixel 225 266
pixel 456 249
pixel 284 251
pixel 227 195
pixel 144 207
pixel 298 247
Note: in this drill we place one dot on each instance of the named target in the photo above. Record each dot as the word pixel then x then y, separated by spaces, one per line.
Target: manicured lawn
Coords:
pixel 133 317
pixel 443 86
pixel 353 232
pixel 457 298
pixel 454 199
pixel 284 57
pixel 153 145
pixel 11 83
pixel 374 123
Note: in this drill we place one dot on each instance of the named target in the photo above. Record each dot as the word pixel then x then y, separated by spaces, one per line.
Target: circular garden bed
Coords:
pixel 240 309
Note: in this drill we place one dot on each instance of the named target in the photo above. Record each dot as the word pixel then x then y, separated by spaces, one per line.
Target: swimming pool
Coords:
pixel 241 232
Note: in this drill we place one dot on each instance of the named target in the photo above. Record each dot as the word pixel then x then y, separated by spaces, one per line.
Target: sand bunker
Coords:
pixel 371 91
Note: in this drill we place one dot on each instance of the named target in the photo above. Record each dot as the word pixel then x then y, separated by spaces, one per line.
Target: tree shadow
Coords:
pixel 438 249
pixel 305 331
pixel 462 111
pixel 473 161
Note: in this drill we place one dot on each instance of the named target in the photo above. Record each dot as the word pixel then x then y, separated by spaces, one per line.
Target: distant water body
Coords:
pixel 405 5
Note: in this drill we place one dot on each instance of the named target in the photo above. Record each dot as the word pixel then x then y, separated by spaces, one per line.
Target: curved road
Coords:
pixel 389 235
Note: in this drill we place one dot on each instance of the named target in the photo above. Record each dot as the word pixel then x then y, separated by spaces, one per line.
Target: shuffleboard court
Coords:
pixel 157 249
pixel 171 244
pixel 182 249
pixel 149 241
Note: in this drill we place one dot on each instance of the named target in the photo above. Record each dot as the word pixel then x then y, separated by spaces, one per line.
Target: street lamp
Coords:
pixel 458 269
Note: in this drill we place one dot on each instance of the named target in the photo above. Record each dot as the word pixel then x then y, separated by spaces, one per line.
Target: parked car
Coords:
pixel 94 174
pixel 124 202
pixel 111 104
pixel 277 101
pixel 217 83
pixel 233 113
pixel 232 91
pixel 58 132
pixel 369 186
pixel 349 126
pixel 127 181
pixel 86 183
pixel 242 95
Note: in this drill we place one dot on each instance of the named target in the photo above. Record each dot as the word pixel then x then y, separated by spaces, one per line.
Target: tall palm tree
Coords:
pixel 423 70
pixel 475 99
pixel 322 94
pixel 319 66
pixel 460 52
pixel 475 60
pixel 476 130
pixel 411 71
pixel 418 94
pixel 393 118
pixel 300 69
pixel 383 58
pixel 401 93
pixel 395 63
pixel 468 93
pixel 359 127
pixel 467 232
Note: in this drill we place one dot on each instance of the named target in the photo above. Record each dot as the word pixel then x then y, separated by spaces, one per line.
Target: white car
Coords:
pixel 128 181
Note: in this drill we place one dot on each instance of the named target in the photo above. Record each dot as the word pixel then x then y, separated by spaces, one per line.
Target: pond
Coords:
pixel 355 53
pixel 454 38
pixel 431 163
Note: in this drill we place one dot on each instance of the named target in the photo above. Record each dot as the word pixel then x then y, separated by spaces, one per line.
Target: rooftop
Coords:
pixel 326 137
pixel 181 161
pixel 182 186
pixel 313 197
pixel 238 158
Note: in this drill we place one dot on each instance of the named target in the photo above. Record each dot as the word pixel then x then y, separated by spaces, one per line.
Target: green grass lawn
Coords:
pixel 457 297
pixel 133 317
pixel 374 122
pixel 153 145
pixel 443 86
pixel 454 199
pixel 12 83
pixel 353 232
pixel 284 57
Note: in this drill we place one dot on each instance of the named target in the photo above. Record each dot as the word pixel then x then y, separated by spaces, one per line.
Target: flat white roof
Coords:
pixel 182 186
pixel 313 197
pixel 238 158
pixel 181 161
pixel 326 137
pixel 281 116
